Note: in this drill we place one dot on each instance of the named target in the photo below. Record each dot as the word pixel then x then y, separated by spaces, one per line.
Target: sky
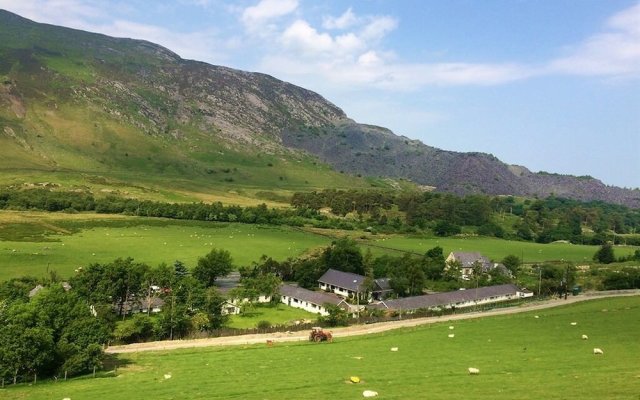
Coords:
pixel 553 85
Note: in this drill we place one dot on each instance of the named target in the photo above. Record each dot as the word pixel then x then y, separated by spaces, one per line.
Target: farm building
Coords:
pixel 469 260
pixel 309 300
pixel 457 299
pixel 347 285
pixel 153 304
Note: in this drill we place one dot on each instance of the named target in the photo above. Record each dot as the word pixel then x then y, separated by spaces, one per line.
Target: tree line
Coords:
pixel 540 220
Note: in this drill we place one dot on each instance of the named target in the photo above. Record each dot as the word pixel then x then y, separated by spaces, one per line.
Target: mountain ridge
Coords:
pixel 112 103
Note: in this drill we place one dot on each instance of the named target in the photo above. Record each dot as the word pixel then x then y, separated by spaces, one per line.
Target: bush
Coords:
pixel 264 324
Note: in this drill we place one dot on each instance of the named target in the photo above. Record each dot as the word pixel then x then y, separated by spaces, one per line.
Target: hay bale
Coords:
pixel 369 393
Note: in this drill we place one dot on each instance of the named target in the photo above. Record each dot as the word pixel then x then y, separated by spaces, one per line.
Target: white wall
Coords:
pixel 307 306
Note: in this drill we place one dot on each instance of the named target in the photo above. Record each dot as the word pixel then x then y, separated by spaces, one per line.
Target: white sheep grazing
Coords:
pixel 369 393
pixel 474 371
pixel 394 349
pixel 585 337
pixel 450 326
pixel 574 323
pixel 452 335
pixel 597 351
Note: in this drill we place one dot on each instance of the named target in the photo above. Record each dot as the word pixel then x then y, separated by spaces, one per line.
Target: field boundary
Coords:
pixel 357 330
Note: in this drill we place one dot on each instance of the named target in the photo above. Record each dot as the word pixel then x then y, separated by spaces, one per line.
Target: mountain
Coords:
pixel 84 107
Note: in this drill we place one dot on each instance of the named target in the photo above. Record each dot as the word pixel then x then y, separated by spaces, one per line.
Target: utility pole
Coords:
pixel 539 280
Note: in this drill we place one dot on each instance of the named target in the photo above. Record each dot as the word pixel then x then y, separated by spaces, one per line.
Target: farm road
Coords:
pixel 355 330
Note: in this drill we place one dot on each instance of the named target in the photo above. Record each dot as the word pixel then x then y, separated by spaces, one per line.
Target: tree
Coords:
pixel 344 255
pixel 337 316
pixel 512 263
pixel 434 263
pixel 212 266
pixel 407 279
pixel 139 328
pixel 307 272
pixel 605 255
pixel 446 228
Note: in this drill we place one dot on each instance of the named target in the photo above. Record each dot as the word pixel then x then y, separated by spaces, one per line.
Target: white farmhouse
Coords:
pixel 309 300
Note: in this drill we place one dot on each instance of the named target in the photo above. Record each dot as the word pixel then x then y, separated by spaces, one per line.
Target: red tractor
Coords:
pixel 318 335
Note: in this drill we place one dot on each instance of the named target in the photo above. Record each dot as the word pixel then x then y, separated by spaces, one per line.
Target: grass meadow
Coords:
pixel 30 248
pixel 495 249
pixel 519 357
pixel 279 314
pixel 31 243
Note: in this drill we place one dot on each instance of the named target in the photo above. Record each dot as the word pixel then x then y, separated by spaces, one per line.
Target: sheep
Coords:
pixel 474 371
pixel 574 323
pixel 452 335
pixel 167 376
pixel 597 351
pixel 394 349
pixel 585 337
pixel 369 393
pixel 450 326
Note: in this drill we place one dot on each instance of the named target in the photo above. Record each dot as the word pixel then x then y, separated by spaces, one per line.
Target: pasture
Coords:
pixel 31 243
pixel 30 248
pixel 495 249
pixel 279 314
pixel 519 357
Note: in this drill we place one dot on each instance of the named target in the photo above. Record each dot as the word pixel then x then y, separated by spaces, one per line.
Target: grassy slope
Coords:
pixel 518 356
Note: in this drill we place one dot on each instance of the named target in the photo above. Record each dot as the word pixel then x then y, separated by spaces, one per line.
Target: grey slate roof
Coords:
pixel 345 280
pixel 381 285
pixel 468 258
pixel 448 298
pixel 310 296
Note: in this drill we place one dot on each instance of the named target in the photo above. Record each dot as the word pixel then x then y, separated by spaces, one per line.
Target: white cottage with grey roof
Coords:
pixel 309 300
pixel 455 299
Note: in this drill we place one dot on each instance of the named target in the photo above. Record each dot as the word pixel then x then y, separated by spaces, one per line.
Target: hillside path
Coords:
pixel 356 330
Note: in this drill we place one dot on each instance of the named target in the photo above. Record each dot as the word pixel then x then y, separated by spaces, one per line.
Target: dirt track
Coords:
pixel 355 329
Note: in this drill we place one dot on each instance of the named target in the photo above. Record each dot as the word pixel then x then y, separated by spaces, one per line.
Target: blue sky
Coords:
pixel 553 85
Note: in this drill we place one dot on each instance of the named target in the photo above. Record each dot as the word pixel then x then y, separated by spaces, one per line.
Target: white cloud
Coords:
pixel 379 27
pixel 266 10
pixel 344 21
pixel 615 52
pixel 60 12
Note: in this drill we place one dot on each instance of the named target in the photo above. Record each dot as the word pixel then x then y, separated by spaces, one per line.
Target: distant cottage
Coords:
pixel 470 260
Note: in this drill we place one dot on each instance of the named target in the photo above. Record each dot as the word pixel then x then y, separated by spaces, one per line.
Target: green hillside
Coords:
pixel 82 109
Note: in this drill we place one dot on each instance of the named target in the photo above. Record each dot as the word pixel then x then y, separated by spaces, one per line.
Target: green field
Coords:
pixel 33 242
pixel 519 357
pixel 276 315
pixel 494 248
pixel 147 240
